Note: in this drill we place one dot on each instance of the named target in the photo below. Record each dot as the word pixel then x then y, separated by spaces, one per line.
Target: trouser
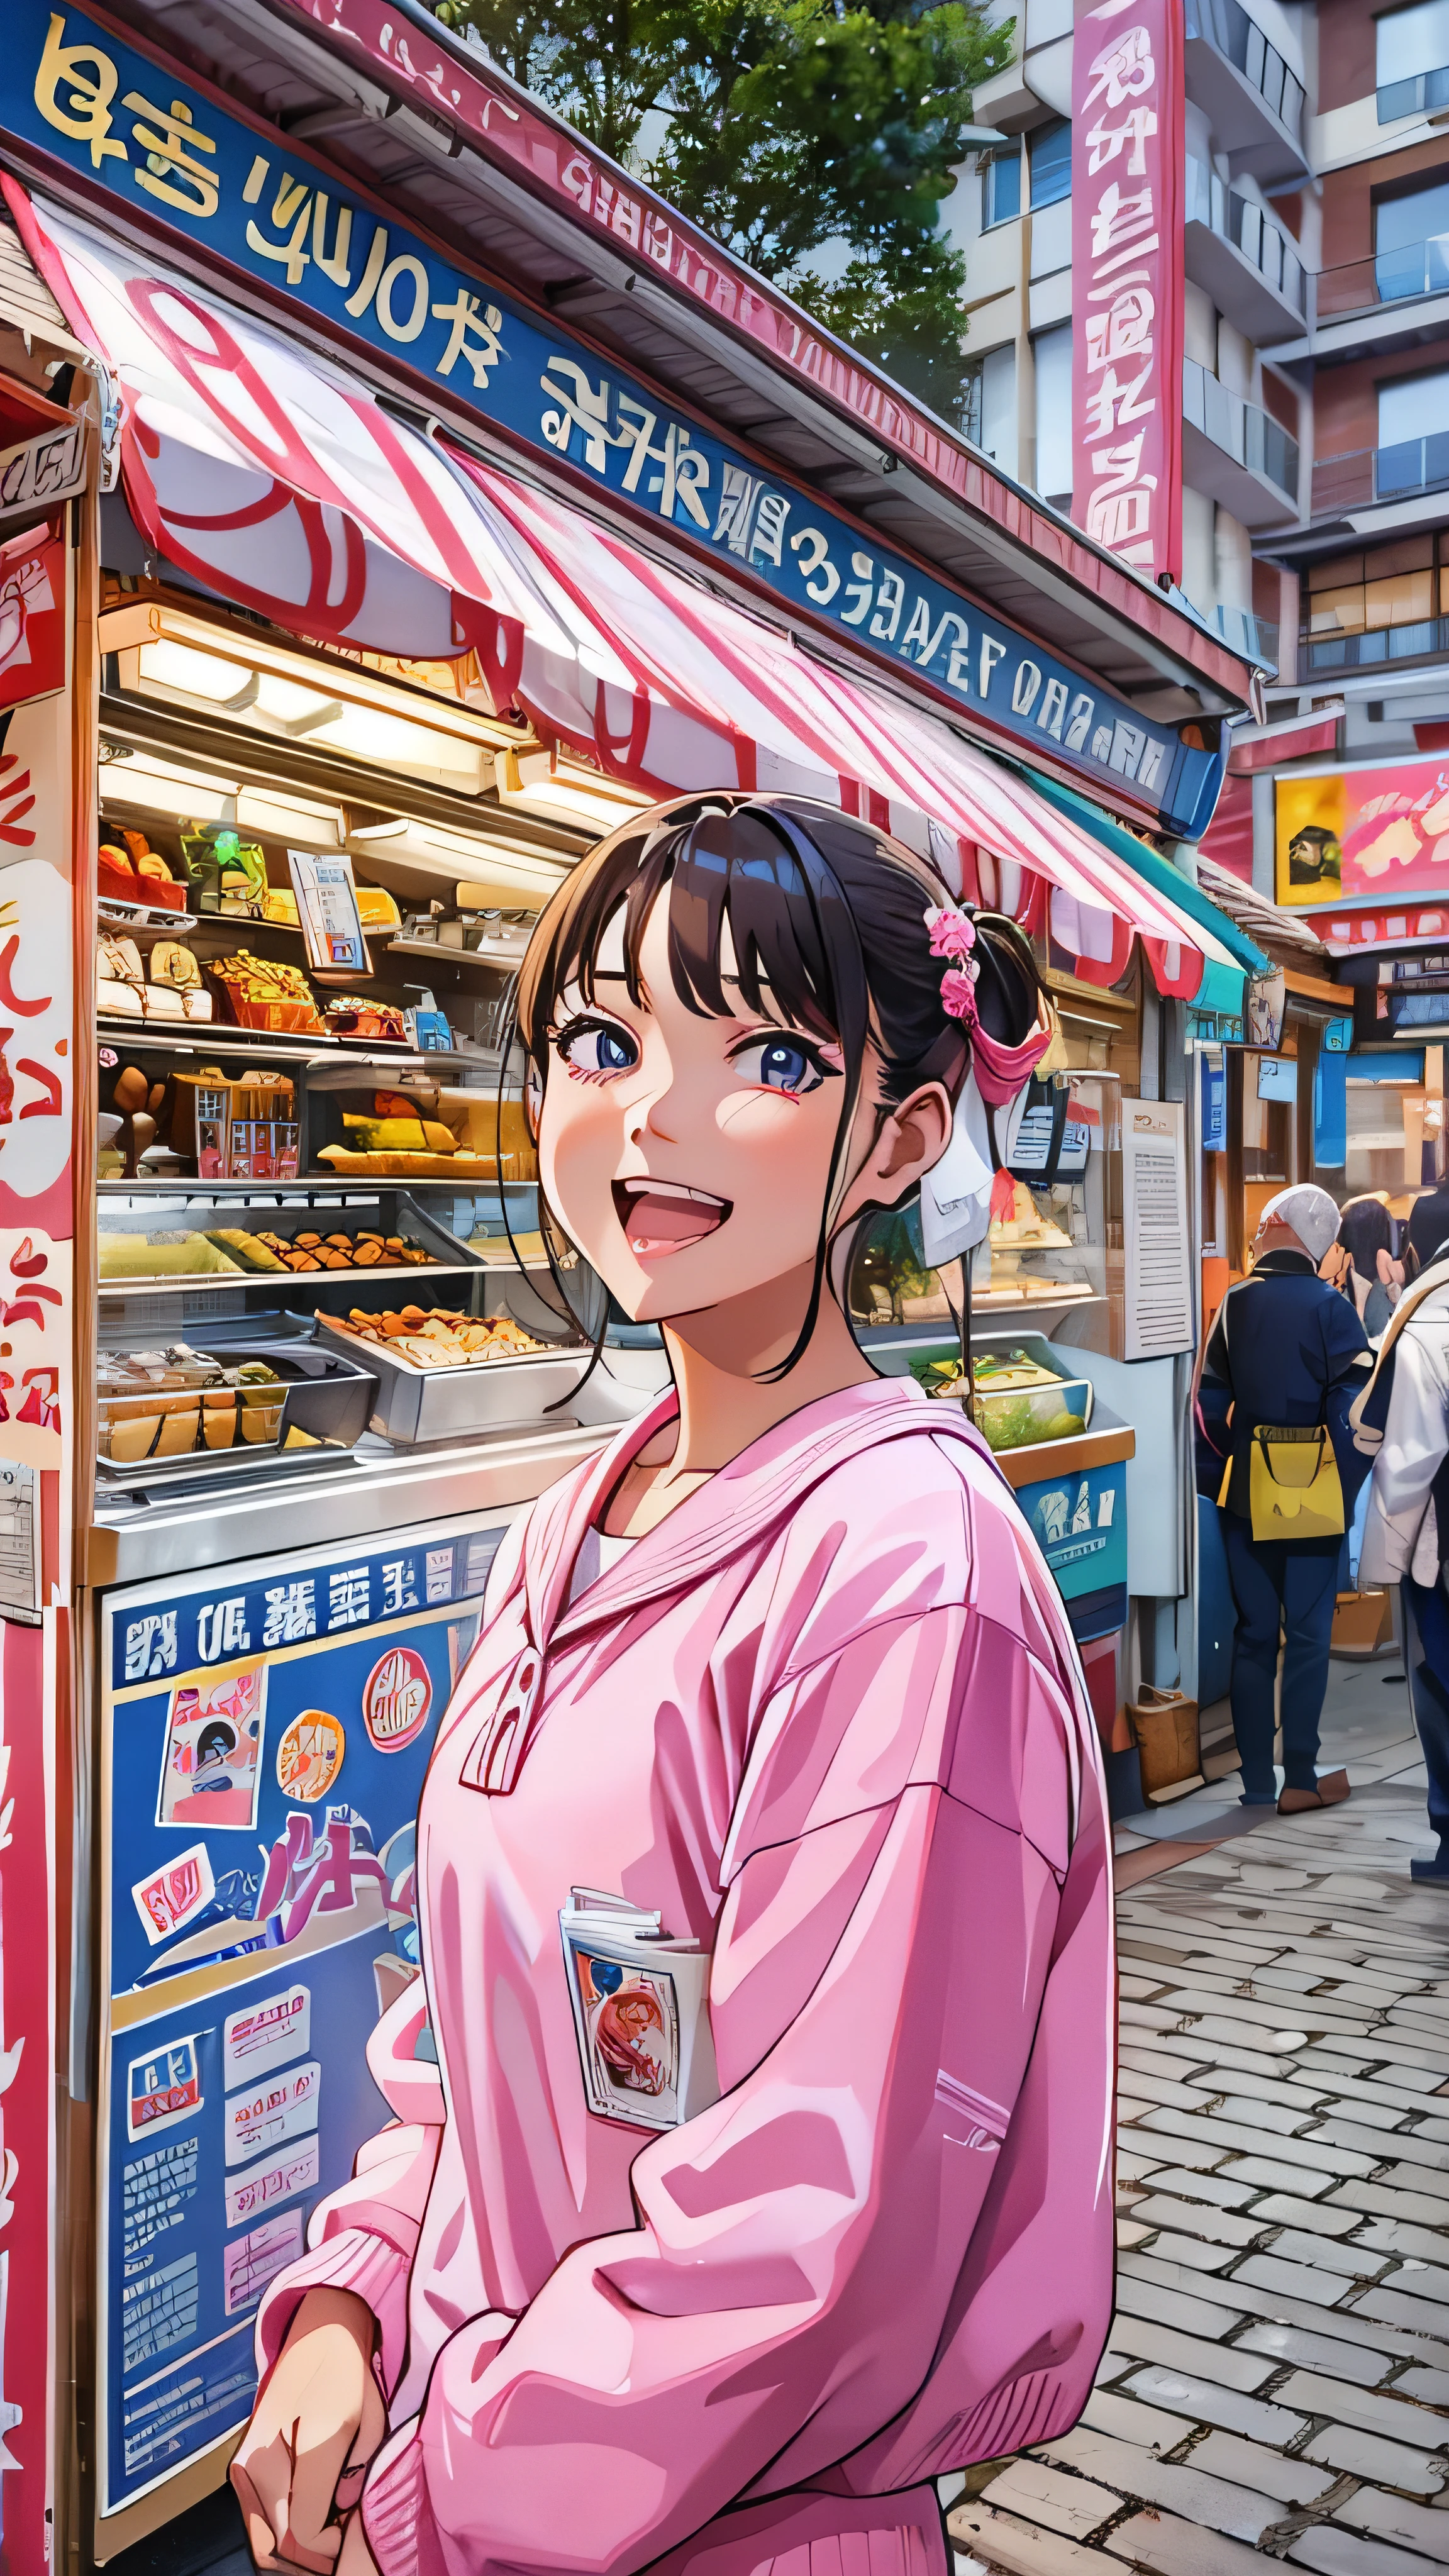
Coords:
pixel 1430 1691
pixel 1277 1585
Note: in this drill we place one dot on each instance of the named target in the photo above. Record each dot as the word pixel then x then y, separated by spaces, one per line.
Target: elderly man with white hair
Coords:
pixel 1287 1353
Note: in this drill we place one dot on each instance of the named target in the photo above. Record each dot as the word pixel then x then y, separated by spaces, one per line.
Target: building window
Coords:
pixel 1413 442
pixel 1049 152
pixel 1412 69
pixel 1389 604
pixel 989 415
pixel 1411 242
pixel 1001 189
pixel 1052 352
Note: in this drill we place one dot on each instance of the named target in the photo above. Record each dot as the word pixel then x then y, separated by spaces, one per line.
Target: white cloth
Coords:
pixel 1312 1214
pixel 956 1192
pixel 597 1552
pixel 1401 1533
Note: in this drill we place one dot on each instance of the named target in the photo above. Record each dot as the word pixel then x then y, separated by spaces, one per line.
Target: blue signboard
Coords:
pixel 1080 1523
pixel 73 90
pixel 265 1736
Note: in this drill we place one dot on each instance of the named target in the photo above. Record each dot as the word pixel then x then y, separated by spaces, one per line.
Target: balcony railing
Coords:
pixel 1418 96
pixel 1251 436
pixel 1373 651
pixel 1239 220
pixel 1417 268
pixel 1228 26
pixel 1410 467
pixel 1256 637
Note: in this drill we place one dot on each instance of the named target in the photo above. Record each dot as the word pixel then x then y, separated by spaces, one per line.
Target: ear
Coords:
pixel 907 1145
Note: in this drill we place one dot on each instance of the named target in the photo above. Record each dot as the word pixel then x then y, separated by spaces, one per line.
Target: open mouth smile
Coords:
pixel 659 1217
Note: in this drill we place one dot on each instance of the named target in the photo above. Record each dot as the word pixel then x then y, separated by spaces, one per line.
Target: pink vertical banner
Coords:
pixel 1128 154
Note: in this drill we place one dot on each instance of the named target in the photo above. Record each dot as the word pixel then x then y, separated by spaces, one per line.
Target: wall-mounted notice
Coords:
pixel 1154 1229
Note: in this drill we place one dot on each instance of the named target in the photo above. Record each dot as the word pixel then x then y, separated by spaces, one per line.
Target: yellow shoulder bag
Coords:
pixel 1294 1491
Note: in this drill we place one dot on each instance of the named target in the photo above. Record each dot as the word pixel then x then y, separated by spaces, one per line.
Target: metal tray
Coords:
pixel 328 1394
pixel 414 1405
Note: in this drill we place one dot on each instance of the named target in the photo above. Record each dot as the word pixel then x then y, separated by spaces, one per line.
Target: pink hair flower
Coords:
pixel 958 994
pixel 952 933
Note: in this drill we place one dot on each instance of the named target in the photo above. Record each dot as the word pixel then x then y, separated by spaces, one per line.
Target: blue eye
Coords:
pixel 780 1064
pixel 597 1047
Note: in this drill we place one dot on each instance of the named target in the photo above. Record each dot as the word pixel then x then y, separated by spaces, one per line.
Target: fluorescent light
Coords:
pixel 286 818
pixel 161 787
pixel 553 785
pixel 388 830
pixel 208 676
pixel 522 876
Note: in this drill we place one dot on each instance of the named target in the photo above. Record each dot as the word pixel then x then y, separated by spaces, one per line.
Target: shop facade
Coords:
pixel 357 572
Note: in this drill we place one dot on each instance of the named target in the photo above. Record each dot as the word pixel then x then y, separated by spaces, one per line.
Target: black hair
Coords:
pixel 1365 1230
pixel 824 910
pixel 1428 1226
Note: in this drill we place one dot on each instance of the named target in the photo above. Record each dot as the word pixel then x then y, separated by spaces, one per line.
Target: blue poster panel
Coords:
pixel 265 1734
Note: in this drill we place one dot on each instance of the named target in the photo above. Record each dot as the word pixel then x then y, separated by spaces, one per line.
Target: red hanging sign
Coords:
pixel 1128 151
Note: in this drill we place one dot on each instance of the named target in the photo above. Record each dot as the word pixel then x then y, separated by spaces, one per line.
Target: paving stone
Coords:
pixel 1184 2489
pixel 1192 2252
pixel 1358 2362
pixel 1289 2480
pixel 1221 2004
pixel 1224 2056
pixel 1020 2547
pixel 1158 2060
pixel 1220 2230
pixel 1141 1988
pixel 1220 2191
pixel 1392 2416
pixel 1146 2426
pixel 1148 2340
pixel 1405 2176
pixel 1265 2173
pixel 1285 2211
pixel 1434 2128
pixel 1378 2199
pixel 1176 2548
pixel 1134 2016
pixel 1205 2401
pixel 1144 2086
pixel 1364 2455
pixel 1254 2111
pixel 1431 2386
pixel 1421 2279
pixel 1147 2288
pixel 1130 2234
pixel 1073 2506
pixel 1339 2553
pixel 1289 2098
pixel 1406 2145
pixel 1357 2262
pixel 1295 2280
pixel 1361 2107
pixel 1420 2316
pixel 1391 2517
pixel 1135 2167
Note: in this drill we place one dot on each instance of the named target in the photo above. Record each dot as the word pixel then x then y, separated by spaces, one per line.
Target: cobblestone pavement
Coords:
pixel 1277 2379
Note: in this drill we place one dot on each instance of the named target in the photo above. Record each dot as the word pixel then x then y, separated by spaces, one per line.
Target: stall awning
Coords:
pixel 274 479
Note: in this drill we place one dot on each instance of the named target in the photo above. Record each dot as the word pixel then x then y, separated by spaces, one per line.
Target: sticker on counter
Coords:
pixel 282 2177
pixel 251 2263
pixel 309 1755
pixel 162 2088
pixel 396 1699
pixel 212 1773
pixel 267 2114
pixel 175 1894
pixel 266 2035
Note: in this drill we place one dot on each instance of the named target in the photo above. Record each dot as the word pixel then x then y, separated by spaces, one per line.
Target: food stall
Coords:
pixel 358 570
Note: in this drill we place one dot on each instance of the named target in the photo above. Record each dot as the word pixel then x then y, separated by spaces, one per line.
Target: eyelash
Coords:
pixel 813 1055
pixel 587 1024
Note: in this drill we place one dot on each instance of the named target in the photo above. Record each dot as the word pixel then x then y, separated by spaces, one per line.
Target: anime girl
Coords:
pixel 783 1669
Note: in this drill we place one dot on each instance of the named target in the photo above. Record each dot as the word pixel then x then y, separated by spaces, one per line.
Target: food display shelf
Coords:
pixel 281 1046
pixel 444 952
pixel 181 1282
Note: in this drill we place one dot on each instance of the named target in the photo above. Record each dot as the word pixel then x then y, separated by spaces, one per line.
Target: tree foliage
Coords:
pixel 784 126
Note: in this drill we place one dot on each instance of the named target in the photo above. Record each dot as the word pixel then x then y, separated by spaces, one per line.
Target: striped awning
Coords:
pixel 269 475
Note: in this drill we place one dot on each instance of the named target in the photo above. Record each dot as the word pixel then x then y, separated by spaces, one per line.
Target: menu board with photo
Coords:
pixel 266 1733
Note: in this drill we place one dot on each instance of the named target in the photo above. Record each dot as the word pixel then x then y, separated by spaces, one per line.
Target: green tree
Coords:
pixel 781 126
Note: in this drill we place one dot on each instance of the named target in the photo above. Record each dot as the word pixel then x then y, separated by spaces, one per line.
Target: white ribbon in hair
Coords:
pixel 956 1192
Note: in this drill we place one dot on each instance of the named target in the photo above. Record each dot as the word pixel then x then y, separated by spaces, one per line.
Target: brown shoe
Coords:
pixel 1331 1791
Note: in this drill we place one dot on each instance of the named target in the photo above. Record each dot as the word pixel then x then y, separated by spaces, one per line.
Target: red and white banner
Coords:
pixel 1127 280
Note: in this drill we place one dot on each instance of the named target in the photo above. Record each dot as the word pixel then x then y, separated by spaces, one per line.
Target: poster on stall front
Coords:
pixel 266 1729
pixel 1350 834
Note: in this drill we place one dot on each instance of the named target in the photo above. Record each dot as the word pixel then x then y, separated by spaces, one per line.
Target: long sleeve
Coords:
pixel 363 2237
pixel 1416 1435
pixel 857 2201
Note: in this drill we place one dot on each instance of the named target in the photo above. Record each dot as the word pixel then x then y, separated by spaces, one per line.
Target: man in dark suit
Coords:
pixel 1285 1350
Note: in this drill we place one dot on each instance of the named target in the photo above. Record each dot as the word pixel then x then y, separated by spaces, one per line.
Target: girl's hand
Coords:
pixel 318 2421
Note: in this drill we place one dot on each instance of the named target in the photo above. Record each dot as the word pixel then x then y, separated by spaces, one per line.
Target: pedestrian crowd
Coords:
pixel 1322 1421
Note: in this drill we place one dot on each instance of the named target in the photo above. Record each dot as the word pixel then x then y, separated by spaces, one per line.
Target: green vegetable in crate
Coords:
pixel 1062 1426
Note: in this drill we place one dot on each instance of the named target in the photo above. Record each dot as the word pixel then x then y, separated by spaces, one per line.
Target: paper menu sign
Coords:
pixel 641 2013
pixel 1154 1229
pixel 327 910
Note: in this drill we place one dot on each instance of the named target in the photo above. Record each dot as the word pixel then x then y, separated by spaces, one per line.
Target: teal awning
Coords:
pixel 1157 872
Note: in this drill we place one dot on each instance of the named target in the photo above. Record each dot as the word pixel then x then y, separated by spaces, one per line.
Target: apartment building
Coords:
pixel 1251 242
pixel 1315 399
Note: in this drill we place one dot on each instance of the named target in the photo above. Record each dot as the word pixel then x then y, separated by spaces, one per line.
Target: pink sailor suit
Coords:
pixel 826 1720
